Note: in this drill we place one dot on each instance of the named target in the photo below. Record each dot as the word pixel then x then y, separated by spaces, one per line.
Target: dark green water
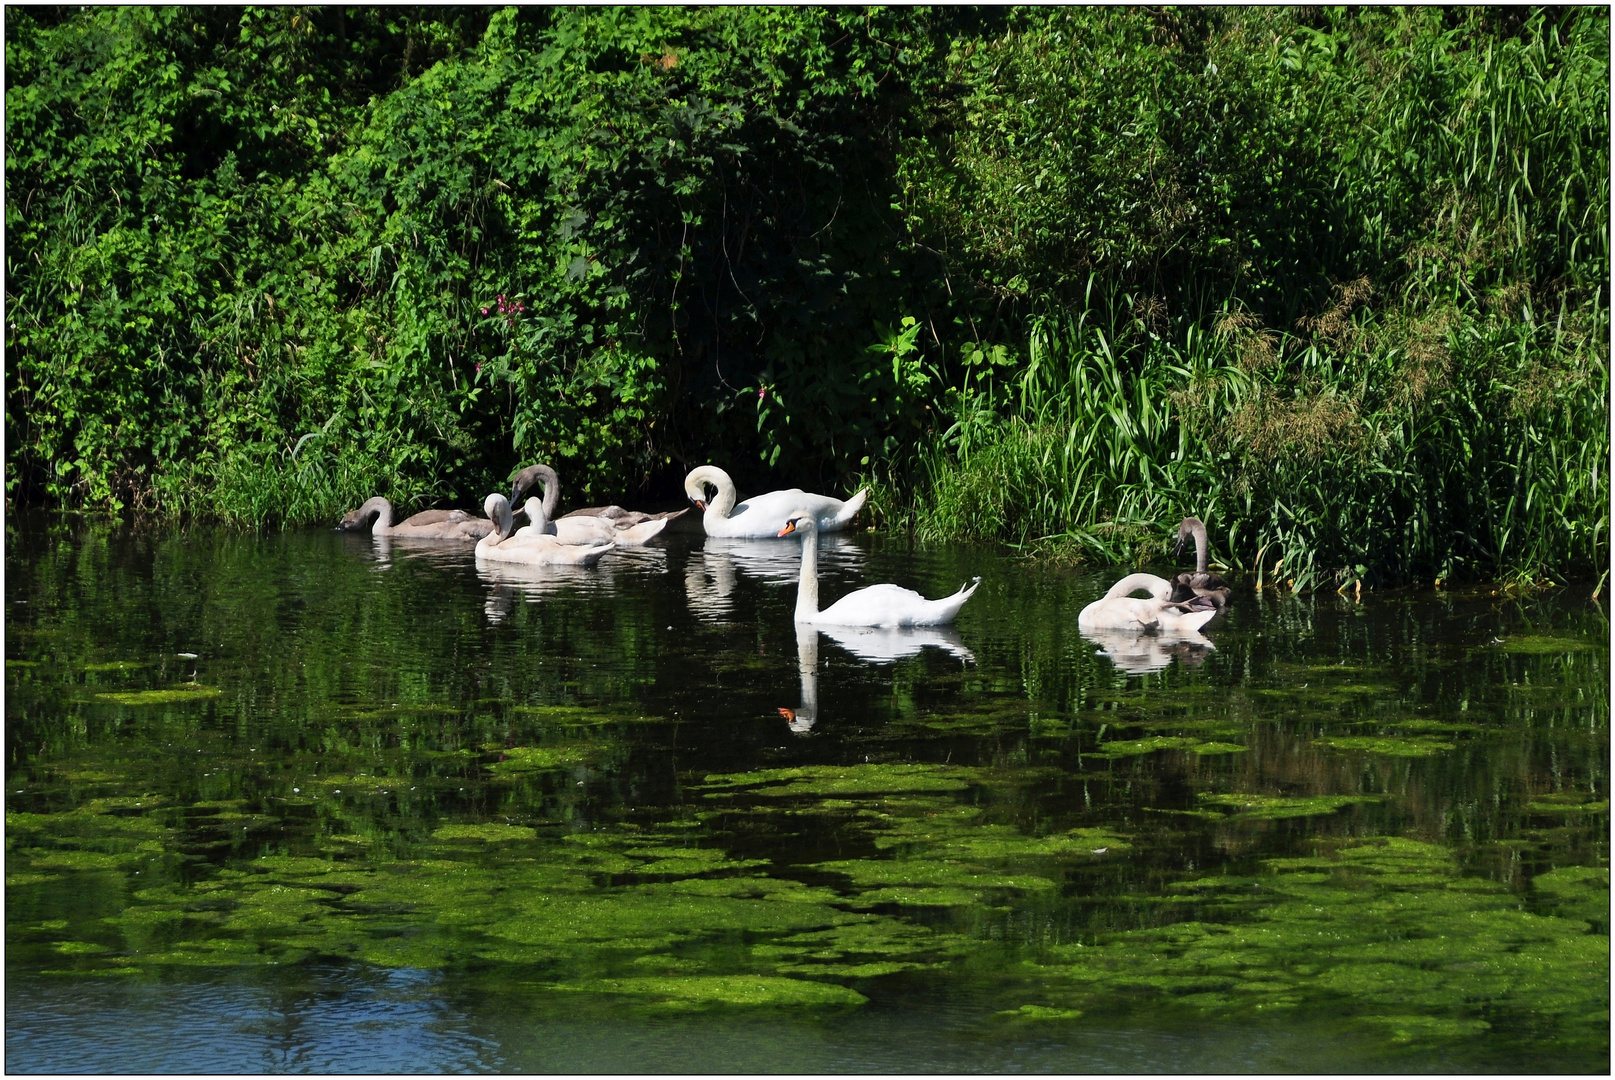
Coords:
pixel 398 814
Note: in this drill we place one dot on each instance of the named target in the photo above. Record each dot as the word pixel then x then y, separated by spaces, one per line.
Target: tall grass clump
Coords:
pixel 1432 448
pixel 1369 340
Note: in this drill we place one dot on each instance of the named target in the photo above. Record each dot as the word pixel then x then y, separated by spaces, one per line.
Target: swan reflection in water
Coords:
pixel 710 574
pixel 883 645
pixel 1141 653
pixel 431 552
pixel 513 581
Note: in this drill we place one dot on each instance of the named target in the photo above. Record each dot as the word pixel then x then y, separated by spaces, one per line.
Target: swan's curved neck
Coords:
pixel 1133 582
pixel 552 491
pixel 723 498
pixel 807 586
pixel 539 514
pixel 497 507
pixel 1202 548
pixel 384 515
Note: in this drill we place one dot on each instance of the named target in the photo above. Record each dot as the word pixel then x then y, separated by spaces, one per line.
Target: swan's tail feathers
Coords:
pixel 638 535
pixel 949 607
pixel 850 508
pixel 1194 620
pixel 592 555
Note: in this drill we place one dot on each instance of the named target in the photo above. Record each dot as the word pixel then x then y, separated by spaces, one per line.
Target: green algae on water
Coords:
pixel 1389 745
pixel 184 692
pixel 1275 807
pixel 708 990
pixel 1386 932
pixel 1546 644
pixel 843 780
pixel 521 759
pixel 1138 747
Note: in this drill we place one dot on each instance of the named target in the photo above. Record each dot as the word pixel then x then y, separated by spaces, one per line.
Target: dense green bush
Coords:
pixel 1332 278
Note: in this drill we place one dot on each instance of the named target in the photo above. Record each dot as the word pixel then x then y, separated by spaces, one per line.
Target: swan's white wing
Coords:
pixel 892 605
pixel 765 515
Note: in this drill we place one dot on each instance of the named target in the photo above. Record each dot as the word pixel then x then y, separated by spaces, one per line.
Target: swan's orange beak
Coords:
pixel 699 505
pixel 790 527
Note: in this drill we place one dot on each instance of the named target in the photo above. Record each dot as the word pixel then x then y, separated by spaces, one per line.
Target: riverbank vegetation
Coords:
pixel 1335 280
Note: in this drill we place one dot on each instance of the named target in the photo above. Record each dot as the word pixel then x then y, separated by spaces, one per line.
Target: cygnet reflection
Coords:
pixel 1140 654
pixel 513 581
pixel 801 719
pixel 886 644
pixel 710 574
pixel 435 552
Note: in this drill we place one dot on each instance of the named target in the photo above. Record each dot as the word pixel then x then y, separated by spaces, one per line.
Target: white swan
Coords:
pixel 878 605
pixel 532 550
pixel 613 516
pixel 376 517
pixel 1117 610
pixel 763 515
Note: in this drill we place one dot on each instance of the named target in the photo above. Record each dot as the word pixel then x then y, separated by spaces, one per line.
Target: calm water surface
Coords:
pixel 398 813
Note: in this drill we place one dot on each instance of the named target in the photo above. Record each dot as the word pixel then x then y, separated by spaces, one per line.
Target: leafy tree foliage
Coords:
pixel 262 263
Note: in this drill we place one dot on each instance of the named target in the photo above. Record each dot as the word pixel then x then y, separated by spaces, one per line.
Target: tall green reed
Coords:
pixel 1382 450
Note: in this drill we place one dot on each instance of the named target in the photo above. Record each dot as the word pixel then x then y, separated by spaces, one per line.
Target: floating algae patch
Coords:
pixel 184 692
pixel 1408 746
pixel 862 950
pixel 1568 802
pixel 866 873
pixel 1274 807
pixel 1385 933
pixel 710 991
pixel 577 715
pixel 1139 747
pixel 687 861
pixel 1037 1014
pixel 1439 727
pixel 525 759
pixel 1547 644
pixel 117 665
pixel 1577 892
pixel 946 855
pixel 844 780
pixel 495 833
